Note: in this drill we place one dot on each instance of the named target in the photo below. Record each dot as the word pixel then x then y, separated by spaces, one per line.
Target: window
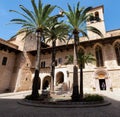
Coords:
pixel 99 57
pixel 60 60
pixel 4 61
pixel 43 64
pixel 97 18
pixel 117 51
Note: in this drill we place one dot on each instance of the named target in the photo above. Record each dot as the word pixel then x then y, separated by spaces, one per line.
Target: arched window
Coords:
pixel 97 18
pixel 117 51
pixel 99 57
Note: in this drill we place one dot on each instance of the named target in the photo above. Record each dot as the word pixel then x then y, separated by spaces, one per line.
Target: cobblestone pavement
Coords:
pixel 9 107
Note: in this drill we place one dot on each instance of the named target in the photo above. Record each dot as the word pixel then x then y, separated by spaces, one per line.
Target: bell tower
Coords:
pixel 96 20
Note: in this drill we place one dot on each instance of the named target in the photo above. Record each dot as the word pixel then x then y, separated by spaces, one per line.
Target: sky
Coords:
pixel 7 30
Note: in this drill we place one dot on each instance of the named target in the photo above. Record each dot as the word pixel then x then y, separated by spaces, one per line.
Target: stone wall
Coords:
pixel 22 73
pixel 20 69
pixel 19 41
pixel 27 64
pixel 30 43
pixel 115 78
pixel 6 70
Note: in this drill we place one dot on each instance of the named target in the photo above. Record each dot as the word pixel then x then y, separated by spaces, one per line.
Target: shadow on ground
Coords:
pixel 10 107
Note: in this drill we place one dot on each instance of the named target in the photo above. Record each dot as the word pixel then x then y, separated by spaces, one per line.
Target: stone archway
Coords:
pixel 59 78
pixel 101 80
pixel 46 82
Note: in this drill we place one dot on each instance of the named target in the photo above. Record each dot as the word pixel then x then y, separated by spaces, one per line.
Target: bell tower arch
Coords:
pixel 96 20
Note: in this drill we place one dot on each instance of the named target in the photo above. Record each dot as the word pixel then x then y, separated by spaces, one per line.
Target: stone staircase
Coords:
pixel 61 88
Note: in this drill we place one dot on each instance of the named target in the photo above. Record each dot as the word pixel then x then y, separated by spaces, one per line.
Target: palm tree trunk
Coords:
pixel 36 79
pixel 75 93
pixel 53 65
pixel 81 82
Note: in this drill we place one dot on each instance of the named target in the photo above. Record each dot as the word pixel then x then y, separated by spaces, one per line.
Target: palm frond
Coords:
pixel 47 10
pixel 83 33
pixel 95 30
pixel 26 17
pixel 85 58
pixel 69 59
pixel 35 7
pixel 27 12
pixel 89 58
pixel 40 6
pixel 87 10
pixel 56 30
pixel 22 31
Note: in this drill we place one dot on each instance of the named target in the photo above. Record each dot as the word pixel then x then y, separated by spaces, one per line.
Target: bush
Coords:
pixel 95 97
pixel 44 96
pixel 31 97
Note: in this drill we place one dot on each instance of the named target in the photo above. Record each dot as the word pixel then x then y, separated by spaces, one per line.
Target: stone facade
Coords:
pixel 6 70
pixel 8 54
pixel 18 73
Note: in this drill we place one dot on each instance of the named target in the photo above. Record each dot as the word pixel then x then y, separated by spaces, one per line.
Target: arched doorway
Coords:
pixel 46 83
pixel 102 84
pixel 102 80
pixel 59 78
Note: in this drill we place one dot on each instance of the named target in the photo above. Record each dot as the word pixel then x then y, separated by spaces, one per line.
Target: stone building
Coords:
pixel 17 60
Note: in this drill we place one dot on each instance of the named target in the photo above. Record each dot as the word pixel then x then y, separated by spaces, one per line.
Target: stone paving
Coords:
pixel 9 107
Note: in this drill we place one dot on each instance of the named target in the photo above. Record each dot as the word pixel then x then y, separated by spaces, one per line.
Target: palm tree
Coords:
pixel 69 59
pixel 77 18
pixel 55 31
pixel 34 22
pixel 82 59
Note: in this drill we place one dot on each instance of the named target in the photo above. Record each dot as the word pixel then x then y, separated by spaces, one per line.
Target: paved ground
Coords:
pixel 9 107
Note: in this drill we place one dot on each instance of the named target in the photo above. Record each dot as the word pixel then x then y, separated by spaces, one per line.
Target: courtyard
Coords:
pixel 9 107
